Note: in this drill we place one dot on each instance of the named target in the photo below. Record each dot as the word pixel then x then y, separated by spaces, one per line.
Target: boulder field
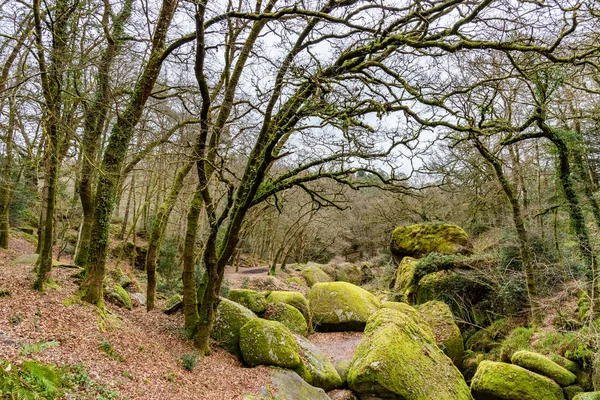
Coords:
pixel 406 352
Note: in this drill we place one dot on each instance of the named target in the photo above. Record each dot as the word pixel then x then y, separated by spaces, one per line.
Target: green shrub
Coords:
pixel 189 361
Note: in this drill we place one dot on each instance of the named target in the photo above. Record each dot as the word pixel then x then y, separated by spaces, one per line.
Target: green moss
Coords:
pixel 171 301
pixel 409 311
pixel 250 299
pixel 446 332
pixel 421 239
pixel 398 359
pixel 538 363
pixel 265 342
pixel 587 396
pixel 289 386
pixel 517 340
pixel 341 306
pixel 503 381
pixel 296 280
pixel 490 338
pixel 288 315
pixel 314 275
pixel 230 318
pixel 119 296
pixel 572 391
pixel 565 363
pixel 347 272
pixel 405 284
pixel 294 299
pixel 318 369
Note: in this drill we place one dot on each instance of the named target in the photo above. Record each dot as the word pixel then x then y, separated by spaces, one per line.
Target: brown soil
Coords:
pixel 338 346
pixel 149 344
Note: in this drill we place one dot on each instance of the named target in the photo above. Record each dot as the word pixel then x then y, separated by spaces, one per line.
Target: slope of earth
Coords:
pixel 134 352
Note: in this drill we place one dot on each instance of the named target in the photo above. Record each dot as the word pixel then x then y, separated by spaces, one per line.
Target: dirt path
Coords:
pixel 339 346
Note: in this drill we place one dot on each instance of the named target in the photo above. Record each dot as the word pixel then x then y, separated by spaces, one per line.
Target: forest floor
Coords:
pixel 133 352
pixel 130 354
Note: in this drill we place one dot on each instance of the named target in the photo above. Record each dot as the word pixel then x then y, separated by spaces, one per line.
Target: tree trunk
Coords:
pixel 519 224
pixel 158 231
pixel 6 184
pixel 114 156
pixel 190 299
pixel 127 207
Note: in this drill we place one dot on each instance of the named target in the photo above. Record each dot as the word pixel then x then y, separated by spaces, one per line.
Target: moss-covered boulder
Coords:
pixel 295 280
pixel 565 363
pixel 290 386
pixel 421 239
pixel 250 299
pixel 229 319
pixel 265 342
pixel 314 275
pixel 539 364
pixel 288 316
pixel 587 396
pixel 115 294
pixel 341 306
pixel 571 391
pixel 346 272
pixel 501 381
pixel 397 359
pixel 294 299
pixel 411 312
pixel 405 284
pixel 342 367
pixel 317 368
pixel 445 331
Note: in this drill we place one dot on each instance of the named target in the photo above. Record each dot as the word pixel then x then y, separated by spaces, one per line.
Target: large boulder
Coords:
pixel 587 396
pixel 317 368
pixel 445 331
pixel 229 319
pixel 347 272
pixel 289 386
pixel 341 306
pixel 421 239
pixel 539 364
pixel 501 381
pixel 411 312
pixel 294 299
pixel 250 299
pixel 396 359
pixel 265 342
pixel 314 275
pixel 289 316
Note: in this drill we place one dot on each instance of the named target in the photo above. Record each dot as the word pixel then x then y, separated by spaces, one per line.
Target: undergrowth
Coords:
pixel 33 380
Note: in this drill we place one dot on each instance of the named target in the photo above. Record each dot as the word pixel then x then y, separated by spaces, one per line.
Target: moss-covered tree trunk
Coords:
pixel 94 122
pixel 576 217
pixel 52 78
pixel 526 258
pixel 158 231
pixel 114 156
pixel 190 299
pixel 6 179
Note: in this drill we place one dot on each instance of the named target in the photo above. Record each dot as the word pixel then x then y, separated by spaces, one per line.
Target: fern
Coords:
pixel 32 381
pixel 38 347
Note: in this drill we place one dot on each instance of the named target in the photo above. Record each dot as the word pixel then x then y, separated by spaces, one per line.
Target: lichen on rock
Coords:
pixel 445 331
pixel 229 319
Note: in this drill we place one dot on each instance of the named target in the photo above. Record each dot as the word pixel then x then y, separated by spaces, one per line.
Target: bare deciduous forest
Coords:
pixel 327 199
